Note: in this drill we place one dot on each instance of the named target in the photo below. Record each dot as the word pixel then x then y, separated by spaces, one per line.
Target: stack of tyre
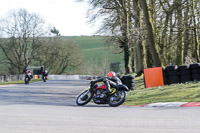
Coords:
pixel 170 75
pixel 195 71
pixel 184 73
pixel 129 81
pixel 181 74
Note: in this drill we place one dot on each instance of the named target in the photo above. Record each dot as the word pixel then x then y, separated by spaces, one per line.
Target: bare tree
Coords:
pixel 151 33
pixel 58 54
pixel 22 31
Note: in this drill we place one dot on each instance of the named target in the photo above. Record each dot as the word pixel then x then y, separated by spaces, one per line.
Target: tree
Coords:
pixel 23 31
pixel 151 33
pixel 58 54
pixel 55 31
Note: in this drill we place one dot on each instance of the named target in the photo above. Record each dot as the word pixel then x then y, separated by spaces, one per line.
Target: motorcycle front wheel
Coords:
pixel 26 81
pixel 44 78
pixel 84 98
pixel 117 98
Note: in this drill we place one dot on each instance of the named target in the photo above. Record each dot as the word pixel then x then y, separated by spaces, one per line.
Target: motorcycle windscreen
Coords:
pixel 153 77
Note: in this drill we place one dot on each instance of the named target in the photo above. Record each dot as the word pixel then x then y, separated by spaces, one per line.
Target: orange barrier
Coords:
pixel 153 77
pixel 35 76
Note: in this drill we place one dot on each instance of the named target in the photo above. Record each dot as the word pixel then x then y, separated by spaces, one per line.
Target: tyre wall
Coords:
pixel 171 75
pixel 129 81
pixel 181 74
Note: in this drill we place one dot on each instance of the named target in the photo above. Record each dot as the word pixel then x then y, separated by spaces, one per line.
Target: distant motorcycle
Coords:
pixel 117 96
pixel 44 75
pixel 28 77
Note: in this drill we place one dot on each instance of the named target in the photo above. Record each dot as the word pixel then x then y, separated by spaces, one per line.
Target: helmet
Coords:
pixel 111 74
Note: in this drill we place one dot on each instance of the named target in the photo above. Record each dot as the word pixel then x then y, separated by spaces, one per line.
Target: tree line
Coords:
pixel 150 33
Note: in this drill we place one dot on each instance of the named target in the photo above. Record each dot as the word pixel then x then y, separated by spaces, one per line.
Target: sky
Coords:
pixel 68 16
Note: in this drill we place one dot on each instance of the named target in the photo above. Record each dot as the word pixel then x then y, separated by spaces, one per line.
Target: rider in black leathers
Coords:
pixel 44 74
pixel 111 81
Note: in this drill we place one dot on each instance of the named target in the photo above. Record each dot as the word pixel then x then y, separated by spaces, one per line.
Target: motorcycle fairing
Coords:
pixel 102 86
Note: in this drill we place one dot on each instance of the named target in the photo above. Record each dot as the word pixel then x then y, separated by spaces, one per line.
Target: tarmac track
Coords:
pixel 50 108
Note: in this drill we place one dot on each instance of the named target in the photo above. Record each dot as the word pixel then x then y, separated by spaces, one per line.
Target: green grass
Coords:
pixel 96 49
pixel 188 92
pixel 19 82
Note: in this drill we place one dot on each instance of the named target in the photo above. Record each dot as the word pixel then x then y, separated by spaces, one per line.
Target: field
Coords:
pixel 96 49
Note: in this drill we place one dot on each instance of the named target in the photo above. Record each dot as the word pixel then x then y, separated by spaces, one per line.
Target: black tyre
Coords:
pixel 117 98
pixel 171 68
pixel 131 86
pixel 185 79
pixel 183 68
pixel 127 77
pixel 185 73
pixel 196 77
pixel 173 80
pixel 84 98
pixel 195 71
pixel 128 82
pixel 44 78
pixel 195 66
pixel 172 73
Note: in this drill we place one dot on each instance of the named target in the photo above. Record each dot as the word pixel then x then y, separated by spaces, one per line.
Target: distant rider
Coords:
pixel 28 74
pixel 44 74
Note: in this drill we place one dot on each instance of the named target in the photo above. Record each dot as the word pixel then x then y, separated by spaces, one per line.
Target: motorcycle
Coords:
pixel 117 96
pixel 44 75
pixel 44 78
pixel 28 77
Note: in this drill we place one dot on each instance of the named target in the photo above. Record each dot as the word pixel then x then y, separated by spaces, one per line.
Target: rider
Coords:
pixel 110 81
pixel 28 74
pixel 44 72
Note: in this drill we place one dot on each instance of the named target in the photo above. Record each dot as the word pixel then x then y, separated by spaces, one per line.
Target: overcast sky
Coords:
pixel 68 16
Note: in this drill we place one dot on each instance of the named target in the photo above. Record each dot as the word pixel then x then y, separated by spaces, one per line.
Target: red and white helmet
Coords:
pixel 111 74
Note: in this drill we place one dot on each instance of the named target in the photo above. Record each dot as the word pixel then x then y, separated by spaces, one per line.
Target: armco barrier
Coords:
pixel 6 78
pixel 71 77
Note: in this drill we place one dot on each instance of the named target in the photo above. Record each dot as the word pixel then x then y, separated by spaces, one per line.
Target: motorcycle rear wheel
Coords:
pixel 117 98
pixel 44 78
pixel 84 98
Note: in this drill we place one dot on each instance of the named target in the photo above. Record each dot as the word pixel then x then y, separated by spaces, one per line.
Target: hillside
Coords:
pixel 95 48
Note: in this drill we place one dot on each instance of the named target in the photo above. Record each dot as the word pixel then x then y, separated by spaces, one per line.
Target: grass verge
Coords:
pixel 188 92
pixel 19 82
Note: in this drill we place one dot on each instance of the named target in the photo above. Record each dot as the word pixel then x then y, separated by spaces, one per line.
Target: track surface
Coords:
pixel 50 108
